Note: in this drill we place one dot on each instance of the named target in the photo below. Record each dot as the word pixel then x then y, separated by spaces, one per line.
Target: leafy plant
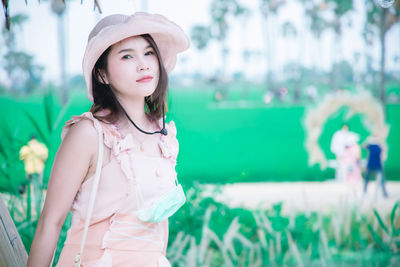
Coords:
pixel 386 237
pixel 220 236
pixel 53 116
pixel 11 168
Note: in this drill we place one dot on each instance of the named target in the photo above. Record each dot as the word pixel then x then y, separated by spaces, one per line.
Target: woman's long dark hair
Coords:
pixel 104 97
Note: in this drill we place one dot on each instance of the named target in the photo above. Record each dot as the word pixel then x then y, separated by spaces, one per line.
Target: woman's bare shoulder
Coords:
pixel 82 134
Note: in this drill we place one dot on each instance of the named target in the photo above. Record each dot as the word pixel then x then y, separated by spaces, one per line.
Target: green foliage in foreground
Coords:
pixel 207 233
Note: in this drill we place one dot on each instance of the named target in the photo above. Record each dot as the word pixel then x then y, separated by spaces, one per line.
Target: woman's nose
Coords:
pixel 142 66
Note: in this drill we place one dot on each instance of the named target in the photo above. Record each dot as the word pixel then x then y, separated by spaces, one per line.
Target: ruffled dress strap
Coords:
pixel 110 134
pixel 169 144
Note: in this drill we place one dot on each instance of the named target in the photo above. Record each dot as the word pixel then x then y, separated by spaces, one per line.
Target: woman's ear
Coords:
pixel 102 76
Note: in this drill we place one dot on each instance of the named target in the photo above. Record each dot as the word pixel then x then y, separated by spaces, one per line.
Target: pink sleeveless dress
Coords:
pixel 129 181
pixel 351 156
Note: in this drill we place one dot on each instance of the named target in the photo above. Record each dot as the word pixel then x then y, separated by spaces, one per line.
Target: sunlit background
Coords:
pixel 256 100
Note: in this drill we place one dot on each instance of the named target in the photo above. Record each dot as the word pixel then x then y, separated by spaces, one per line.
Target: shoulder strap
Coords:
pixel 92 198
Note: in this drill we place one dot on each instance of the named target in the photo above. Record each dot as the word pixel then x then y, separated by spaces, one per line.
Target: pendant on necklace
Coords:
pixel 141 147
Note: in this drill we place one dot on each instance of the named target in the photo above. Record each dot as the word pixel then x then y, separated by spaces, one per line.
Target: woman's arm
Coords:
pixel 74 161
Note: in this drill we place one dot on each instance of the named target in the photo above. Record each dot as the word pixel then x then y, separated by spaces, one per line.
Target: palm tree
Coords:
pixel 23 74
pixel 340 10
pixel 246 53
pixel 222 13
pixel 6 14
pixel 382 19
pixel 318 25
pixel 269 10
pixel 58 7
pixel 290 32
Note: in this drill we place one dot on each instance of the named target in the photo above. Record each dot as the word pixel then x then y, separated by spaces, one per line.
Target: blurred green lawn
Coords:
pixel 223 142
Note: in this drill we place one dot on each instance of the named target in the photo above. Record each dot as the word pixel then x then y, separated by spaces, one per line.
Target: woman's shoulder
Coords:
pixel 83 125
pixel 88 125
pixel 80 134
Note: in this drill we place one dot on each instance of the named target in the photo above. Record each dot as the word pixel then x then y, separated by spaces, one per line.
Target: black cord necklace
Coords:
pixel 163 131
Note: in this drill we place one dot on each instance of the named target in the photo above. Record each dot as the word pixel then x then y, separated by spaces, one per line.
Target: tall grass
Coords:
pixel 208 233
pixel 26 194
pixel 238 237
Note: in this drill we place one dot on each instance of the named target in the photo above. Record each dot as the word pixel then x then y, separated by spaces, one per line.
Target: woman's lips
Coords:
pixel 145 79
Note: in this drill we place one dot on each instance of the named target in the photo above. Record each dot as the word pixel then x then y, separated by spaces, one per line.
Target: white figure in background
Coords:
pixel 338 146
pixel 312 92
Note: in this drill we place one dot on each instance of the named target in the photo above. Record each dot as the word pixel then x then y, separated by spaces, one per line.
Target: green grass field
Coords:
pixel 220 142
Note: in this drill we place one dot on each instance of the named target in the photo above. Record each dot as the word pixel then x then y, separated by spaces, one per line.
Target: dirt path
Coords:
pixel 307 196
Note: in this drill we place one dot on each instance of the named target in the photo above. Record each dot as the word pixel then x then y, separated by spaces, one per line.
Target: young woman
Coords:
pixel 115 168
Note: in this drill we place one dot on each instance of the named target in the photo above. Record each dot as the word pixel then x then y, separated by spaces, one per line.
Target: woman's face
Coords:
pixel 132 68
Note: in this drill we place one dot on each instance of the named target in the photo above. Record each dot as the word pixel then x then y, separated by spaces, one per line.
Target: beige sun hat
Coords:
pixel 168 36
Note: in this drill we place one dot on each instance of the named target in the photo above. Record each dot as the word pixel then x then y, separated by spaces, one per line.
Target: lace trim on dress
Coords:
pixel 169 145
pixel 108 135
pixel 123 147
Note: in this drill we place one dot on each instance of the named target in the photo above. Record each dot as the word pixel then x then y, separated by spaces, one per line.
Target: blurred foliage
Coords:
pixel 12 171
pixel 208 233
pixel 200 36
pixel 222 12
pixel 43 128
pixel 391 15
pixel 25 211
pixel 341 8
pixel 23 74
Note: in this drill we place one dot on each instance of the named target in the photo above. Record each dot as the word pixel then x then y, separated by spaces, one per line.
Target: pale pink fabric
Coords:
pixel 351 158
pixel 116 202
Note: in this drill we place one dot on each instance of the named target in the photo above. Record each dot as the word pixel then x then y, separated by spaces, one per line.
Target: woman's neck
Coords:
pixel 135 110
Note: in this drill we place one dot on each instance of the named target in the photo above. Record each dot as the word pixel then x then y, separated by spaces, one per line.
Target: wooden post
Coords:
pixel 12 250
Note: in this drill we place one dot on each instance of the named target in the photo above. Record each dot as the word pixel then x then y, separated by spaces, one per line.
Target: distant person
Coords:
pixel 374 164
pixel 338 145
pixel 351 164
pixel 312 92
pixel 282 93
pixel 267 97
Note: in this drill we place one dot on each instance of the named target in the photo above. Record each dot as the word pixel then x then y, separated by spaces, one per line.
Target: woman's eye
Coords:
pixel 127 57
pixel 148 53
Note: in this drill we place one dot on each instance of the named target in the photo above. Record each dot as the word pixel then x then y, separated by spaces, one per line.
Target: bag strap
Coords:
pixel 92 198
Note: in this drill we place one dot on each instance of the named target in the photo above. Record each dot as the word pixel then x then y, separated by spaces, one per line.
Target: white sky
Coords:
pixel 40 38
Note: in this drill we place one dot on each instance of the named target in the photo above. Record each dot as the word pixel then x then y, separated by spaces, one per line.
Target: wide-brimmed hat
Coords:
pixel 168 36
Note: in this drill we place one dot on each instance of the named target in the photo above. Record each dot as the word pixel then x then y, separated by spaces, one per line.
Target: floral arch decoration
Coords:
pixel 363 103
